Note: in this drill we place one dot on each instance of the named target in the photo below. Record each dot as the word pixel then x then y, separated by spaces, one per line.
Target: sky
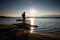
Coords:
pixel 32 8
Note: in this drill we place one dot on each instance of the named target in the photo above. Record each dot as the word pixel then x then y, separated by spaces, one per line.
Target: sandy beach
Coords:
pixel 8 32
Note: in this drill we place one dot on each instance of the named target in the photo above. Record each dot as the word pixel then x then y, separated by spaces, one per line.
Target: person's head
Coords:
pixel 24 12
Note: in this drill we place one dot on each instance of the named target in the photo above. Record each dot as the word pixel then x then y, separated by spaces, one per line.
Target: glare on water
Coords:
pixel 32 23
pixel 32 29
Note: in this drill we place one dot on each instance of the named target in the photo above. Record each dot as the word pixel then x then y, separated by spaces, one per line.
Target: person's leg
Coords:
pixel 23 19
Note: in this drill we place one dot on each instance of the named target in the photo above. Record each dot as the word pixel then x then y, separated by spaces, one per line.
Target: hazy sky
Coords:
pixel 31 7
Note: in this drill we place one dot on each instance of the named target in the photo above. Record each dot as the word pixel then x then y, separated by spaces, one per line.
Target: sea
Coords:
pixel 45 25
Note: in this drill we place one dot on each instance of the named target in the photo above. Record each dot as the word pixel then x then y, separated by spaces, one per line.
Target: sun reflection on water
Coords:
pixel 32 29
pixel 32 23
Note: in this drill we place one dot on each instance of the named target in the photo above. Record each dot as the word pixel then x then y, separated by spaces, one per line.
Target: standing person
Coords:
pixel 23 15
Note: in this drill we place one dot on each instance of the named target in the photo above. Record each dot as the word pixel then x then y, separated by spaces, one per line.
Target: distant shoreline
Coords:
pixel 27 17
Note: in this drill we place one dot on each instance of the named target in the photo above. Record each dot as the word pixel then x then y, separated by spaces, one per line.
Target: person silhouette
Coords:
pixel 23 16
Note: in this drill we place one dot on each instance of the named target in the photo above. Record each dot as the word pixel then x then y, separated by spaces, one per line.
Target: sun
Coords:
pixel 33 10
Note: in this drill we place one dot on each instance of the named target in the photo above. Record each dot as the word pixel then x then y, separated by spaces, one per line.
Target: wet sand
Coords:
pixel 8 32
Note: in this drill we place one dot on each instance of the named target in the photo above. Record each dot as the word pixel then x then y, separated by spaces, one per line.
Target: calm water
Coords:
pixel 45 25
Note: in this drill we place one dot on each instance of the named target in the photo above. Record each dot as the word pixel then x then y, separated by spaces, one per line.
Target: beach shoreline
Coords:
pixel 26 35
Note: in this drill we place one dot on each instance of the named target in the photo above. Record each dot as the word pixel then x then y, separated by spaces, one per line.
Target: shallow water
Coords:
pixel 45 25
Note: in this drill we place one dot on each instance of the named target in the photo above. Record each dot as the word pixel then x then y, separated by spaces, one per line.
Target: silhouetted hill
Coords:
pixel 4 17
